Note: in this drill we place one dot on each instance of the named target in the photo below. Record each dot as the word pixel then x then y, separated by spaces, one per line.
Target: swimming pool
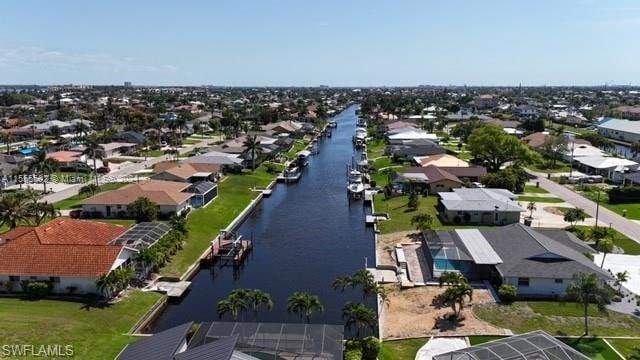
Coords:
pixel 449 265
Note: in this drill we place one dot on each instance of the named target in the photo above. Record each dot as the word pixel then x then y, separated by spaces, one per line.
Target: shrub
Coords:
pixel 37 289
pixel 507 293
pixel 621 195
pixel 353 354
pixel 370 348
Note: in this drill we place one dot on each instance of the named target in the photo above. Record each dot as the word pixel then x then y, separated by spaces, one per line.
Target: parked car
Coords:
pixel 75 214
pixel 104 170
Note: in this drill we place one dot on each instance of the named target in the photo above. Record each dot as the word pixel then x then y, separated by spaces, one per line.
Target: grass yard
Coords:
pixel 375 148
pixel 401 215
pixel 540 199
pixel 626 347
pixel 205 223
pixel 95 333
pixel 534 189
pixel 400 349
pixel 555 308
pixel 594 348
pixel 151 153
pixel 521 318
pixel 481 339
pixel 560 167
pixel 629 246
pixel 74 201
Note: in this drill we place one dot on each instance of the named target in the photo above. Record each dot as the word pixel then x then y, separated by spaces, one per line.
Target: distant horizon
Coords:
pixel 291 43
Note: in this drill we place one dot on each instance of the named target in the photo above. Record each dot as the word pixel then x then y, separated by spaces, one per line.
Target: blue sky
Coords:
pixel 332 42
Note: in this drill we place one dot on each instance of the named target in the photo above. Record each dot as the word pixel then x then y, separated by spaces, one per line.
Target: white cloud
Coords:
pixel 17 58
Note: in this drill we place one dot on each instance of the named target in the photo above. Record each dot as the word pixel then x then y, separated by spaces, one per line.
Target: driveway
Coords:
pixel 606 217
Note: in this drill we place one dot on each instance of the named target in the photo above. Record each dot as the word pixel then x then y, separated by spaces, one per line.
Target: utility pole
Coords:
pixel 573 145
pixel 597 208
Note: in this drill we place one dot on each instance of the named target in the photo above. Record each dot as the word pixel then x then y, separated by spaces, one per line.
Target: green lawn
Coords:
pixel 521 318
pixel 75 200
pixel 298 145
pixel 540 199
pixel 594 348
pixel 95 333
pixel 629 246
pixel 205 223
pixel 401 349
pixel 534 189
pixel 400 215
pixel 625 347
pixel 152 153
pixel 560 167
pixel 632 210
pixel 375 148
pixel 481 339
pixel 555 308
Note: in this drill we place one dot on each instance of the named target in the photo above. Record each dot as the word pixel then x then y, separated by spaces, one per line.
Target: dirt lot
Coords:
pixel 387 242
pixel 411 313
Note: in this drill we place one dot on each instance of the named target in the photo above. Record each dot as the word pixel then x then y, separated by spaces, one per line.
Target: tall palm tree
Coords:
pixel 621 277
pixel 586 289
pixel 304 304
pixel 531 207
pixel 342 282
pixel 605 246
pixel 7 138
pixel 257 298
pixel 253 145
pixel 93 150
pixel 44 167
pixel 233 305
pixel 179 223
pixel 13 210
pixel 359 316
pixel 18 173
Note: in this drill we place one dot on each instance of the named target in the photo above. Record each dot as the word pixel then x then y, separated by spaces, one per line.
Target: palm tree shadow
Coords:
pixel 448 322
pixel 90 304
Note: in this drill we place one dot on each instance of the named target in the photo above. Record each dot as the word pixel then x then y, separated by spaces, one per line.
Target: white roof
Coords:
pixel 478 247
pixel 580 150
pixel 304 153
pixel 601 162
pixel 620 125
pixel 412 135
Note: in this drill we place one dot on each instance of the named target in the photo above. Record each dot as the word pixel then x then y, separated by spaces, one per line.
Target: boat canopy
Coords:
pixel 303 153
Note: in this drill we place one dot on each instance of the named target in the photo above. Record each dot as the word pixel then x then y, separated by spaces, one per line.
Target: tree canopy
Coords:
pixel 493 146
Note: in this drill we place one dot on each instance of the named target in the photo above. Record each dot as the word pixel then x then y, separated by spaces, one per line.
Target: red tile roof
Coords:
pixel 62 247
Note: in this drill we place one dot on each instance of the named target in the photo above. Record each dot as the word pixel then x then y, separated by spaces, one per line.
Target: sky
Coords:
pixel 321 42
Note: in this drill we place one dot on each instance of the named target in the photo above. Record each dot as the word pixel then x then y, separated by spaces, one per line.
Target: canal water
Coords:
pixel 305 235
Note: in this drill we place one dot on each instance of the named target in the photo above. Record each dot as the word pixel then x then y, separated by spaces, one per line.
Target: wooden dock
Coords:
pixel 230 250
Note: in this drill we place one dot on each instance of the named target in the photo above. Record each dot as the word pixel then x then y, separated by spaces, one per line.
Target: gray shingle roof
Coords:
pixel 160 346
pixel 221 349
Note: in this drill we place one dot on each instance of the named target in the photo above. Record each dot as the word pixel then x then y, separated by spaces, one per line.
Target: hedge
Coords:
pixel 621 195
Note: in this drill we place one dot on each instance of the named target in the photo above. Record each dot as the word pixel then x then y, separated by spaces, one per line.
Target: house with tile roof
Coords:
pixel 171 197
pixel 202 176
pixel 430 180
pixel 70 254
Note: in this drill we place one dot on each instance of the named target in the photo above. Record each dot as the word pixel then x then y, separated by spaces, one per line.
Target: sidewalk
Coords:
pixel 606 217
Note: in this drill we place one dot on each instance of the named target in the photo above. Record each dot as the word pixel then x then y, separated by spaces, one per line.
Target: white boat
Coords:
pixel 292 173
pixel 332 124
pixel 355 188
pixel 302 157
pixel 362 122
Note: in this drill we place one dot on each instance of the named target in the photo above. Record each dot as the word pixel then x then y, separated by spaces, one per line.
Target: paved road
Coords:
pixel 605 216
pixel 121 173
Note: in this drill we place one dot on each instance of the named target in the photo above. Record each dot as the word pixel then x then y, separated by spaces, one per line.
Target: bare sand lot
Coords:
pixel 413 313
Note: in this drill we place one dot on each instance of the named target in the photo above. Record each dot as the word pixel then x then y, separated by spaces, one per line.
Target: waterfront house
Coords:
pixel 619 129
pixel 471 173
pixel 221 340
pixel 399 136
pixel 171 197
pixel 429 181
pixel 203 178
pixel 227 162
pixel 537 262
pixel 67 253
pixel 408 149
pixel 481 206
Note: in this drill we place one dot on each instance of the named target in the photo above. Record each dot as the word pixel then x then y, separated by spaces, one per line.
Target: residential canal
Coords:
pixel 305 235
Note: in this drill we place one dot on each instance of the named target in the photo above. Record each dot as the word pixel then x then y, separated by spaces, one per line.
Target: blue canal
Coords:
pixel 305 235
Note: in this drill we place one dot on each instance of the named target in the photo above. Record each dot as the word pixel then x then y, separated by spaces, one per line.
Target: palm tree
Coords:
pixel 233 305
pixel 93 150
pixel 148 258
pixel 621 277
pixel 44 167
pixel 605 246
pixel 179 223
pixel 7 138
pixel 304 304
pixel 586 289
pixel 258 298
pixel 359 316
pixel 252 144
pixel 18 173
pixel 531 207
pixel 13 210
pixel 342 282
pixel 455 296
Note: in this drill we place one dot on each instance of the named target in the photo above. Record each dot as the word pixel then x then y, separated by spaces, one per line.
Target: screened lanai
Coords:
pixel 536 345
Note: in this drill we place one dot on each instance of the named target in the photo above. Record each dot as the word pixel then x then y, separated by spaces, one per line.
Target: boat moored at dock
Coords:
pixel 302 157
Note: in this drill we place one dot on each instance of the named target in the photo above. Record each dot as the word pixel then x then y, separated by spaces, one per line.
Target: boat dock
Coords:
pixel 230 250
pixel 172 289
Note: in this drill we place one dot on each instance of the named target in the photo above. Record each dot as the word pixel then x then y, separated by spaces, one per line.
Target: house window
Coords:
pixel 33 278
pixel 54 280
pixel 523 282
pixel 558 281
pixel 14 278
pixel 118 207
